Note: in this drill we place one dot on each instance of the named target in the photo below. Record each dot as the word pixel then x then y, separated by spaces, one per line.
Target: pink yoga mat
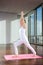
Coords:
pixel 21 56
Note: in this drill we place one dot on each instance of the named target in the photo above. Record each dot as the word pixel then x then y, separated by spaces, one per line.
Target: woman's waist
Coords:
pixel 22 36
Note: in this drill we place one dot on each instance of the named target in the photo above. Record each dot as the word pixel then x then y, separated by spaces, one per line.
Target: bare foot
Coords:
pixel 34 54
pixel 15 56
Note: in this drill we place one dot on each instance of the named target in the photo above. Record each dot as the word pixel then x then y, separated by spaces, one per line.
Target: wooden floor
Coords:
pixel 8 49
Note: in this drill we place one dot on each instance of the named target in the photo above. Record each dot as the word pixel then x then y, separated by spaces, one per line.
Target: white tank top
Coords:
pixel 22 32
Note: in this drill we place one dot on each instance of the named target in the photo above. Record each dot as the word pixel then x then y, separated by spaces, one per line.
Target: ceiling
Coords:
pixel 16 6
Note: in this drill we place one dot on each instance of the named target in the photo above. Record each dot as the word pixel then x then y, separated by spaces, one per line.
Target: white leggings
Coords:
pixel 25 42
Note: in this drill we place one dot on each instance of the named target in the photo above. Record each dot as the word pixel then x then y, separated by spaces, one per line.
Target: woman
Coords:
pixel 23 38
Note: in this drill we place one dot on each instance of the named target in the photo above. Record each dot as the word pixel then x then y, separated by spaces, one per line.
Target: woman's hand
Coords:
pixel 22 14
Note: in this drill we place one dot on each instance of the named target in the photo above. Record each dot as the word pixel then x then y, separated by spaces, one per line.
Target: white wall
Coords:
pixel 8 31
pixel 2 31
pixel 5 29
pixel 15 30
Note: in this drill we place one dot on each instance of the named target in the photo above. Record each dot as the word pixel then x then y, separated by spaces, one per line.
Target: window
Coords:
pixel 39 25
pixel 26 18
pixel 32 24
pixel 31 27
pixel 35 26
pixel 39 21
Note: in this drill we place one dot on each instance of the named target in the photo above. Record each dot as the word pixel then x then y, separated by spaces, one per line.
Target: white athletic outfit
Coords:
pixel 23 40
